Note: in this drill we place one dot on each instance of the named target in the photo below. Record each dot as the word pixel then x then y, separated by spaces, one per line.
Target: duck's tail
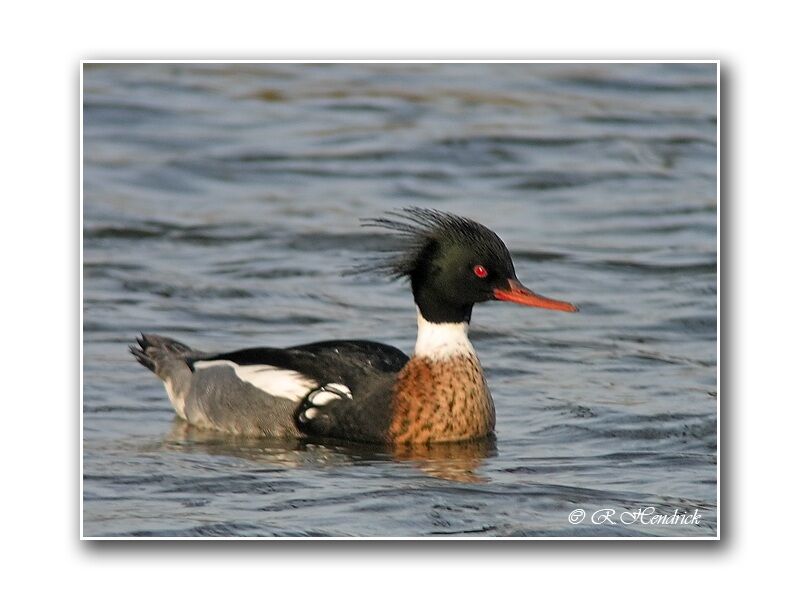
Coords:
pixel 160 354
pixel 169 359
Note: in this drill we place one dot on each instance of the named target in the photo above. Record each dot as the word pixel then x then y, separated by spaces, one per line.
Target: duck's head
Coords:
pixel 454 263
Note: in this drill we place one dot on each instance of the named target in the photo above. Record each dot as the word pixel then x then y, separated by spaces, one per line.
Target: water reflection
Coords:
pixel 457 461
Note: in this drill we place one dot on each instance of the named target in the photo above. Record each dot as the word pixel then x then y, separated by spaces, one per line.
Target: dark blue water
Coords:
pixel 222 204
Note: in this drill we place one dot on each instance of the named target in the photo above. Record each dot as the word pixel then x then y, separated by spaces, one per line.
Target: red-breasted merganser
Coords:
pixel 360 390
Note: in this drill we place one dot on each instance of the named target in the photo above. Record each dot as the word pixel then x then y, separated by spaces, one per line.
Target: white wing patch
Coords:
pixel 282 383
pixel 339 388
pixel 323 398
pixel 330 392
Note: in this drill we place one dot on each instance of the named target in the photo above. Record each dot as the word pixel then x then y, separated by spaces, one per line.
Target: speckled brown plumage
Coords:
pixel 441 401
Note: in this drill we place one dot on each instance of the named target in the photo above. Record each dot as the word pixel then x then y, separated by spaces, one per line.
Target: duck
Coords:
pixel 364 391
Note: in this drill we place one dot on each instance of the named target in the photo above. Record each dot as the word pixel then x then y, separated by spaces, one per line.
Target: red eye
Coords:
pixel 480 271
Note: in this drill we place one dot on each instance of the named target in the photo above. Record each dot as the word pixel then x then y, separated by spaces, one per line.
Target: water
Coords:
pixel 221 206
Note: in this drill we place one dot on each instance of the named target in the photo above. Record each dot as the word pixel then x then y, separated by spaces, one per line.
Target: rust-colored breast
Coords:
pixel 441 401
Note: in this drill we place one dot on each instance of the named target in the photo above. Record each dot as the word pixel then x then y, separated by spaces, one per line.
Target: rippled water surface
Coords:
pixel 222 204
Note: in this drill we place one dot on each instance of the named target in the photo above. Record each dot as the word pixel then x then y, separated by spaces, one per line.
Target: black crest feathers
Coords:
pixel 416 230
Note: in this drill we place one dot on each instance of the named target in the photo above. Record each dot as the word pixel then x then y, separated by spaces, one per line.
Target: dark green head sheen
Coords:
pixel 452 262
